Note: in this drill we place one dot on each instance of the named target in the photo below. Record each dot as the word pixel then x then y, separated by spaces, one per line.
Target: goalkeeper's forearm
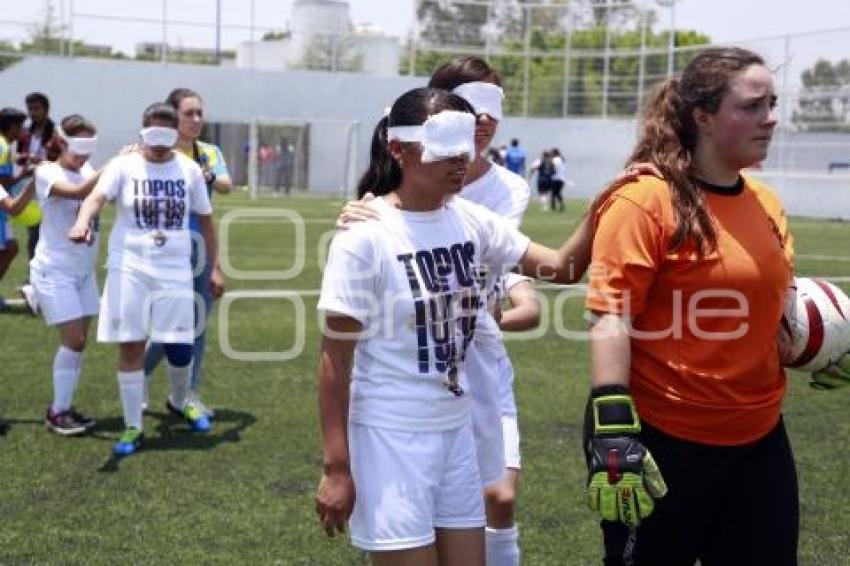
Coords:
pixel 610 350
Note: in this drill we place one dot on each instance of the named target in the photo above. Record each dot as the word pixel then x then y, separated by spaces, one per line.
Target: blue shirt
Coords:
pixel 7 166
pixel 515 160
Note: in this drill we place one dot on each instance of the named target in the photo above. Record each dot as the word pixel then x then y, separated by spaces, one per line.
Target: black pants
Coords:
pixel 725 506
pixel 555 195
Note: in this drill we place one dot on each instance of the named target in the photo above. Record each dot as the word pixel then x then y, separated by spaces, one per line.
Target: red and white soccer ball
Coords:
pixel 815 328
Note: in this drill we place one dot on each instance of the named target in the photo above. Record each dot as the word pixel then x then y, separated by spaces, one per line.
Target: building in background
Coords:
pixel 322 37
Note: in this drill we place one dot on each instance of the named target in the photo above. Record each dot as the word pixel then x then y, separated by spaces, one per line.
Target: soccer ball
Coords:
pixel 815 327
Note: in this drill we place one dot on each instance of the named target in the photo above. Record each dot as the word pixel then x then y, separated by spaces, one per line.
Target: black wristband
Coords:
pixel 612 411
pixel 609 390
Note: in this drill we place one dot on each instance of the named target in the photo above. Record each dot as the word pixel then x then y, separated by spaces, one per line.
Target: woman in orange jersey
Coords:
pixel 687 454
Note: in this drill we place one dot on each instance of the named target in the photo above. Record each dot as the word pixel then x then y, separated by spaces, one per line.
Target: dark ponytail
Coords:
pixel 384 174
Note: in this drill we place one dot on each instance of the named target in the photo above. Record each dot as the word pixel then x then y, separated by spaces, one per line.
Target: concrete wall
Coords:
pixel 114 94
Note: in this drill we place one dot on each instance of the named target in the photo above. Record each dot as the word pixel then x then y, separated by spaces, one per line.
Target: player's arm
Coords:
pixel 10 180
pixel 568 264
pixel 207 228
pixel 81 231
pixel 15 204
pixel 565 265
pixel 216 174
pixel 222 184
pixel 64 189
pixel 623 478
pixel 335 495
pixel 524 313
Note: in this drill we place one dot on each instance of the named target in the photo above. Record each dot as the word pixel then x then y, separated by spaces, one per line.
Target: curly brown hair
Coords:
pixel 669 135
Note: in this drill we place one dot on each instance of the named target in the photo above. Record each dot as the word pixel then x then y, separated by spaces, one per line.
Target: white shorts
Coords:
pixel 510 432
pixel 137 307
pixel 409 483
pixel 482 382
pixel 505 372
pixel 6 232
pixel 63 296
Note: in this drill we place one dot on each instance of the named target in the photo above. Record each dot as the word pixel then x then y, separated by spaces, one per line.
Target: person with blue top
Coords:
pixel 11 127
pixel 189 107
pixel 515 158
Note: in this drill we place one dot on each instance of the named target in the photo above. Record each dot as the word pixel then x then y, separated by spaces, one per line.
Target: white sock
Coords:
pixel 132 384
pixel 179 384
pixel 66 374
pixel 502 546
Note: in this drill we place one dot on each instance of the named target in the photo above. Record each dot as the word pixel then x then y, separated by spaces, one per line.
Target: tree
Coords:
pixel 46 36
pixel 332 52
pixel 824 104
pixel 442 22
pixel 552 26
pixel 275 35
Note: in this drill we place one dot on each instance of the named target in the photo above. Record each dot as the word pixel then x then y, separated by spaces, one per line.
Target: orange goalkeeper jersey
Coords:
pixel 704 364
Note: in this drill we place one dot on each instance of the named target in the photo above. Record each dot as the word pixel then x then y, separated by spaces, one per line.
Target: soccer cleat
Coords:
pixel 4 426
pixel 196 401
pixel 30 300
pixel 63 423
pixel 196 420
pixel 129 442
pixel 84 420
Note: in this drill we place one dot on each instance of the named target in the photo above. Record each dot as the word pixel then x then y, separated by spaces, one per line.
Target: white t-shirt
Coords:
pixel 501 191
pixel 560 169
pixel 505 193
pixel 35 147
pixel 153 202
pixel 54 250
pixel 413 279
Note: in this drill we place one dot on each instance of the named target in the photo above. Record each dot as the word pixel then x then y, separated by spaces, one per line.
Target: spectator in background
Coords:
pixel 38 142
pixel 515 158
pixel 559 178
pixel 285 166
pixel 545 170
pixel 11 126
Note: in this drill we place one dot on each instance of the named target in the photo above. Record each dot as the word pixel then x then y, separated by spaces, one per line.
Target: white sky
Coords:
pixel 723 20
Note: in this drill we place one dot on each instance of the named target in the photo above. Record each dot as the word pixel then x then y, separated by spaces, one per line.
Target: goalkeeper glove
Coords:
pixel 834 375
pixel 623 479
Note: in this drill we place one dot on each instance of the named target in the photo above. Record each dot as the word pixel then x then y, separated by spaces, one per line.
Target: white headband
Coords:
pixel 158 136
pixel 443 135
pixel 78 146
pixel 485 98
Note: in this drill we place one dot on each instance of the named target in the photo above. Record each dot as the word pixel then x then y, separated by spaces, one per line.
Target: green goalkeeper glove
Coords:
pixel 834 375
pixel 623 479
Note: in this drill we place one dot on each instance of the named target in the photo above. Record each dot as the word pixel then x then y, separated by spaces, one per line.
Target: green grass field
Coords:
pixel 244 493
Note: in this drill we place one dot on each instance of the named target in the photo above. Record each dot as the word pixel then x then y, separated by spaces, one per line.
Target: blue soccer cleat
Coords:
pixel 129 442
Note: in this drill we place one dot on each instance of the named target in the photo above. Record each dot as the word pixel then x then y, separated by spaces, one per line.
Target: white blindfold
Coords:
pixel 485 98
pixel 78 146
pixel 444 135
pixel 158 136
